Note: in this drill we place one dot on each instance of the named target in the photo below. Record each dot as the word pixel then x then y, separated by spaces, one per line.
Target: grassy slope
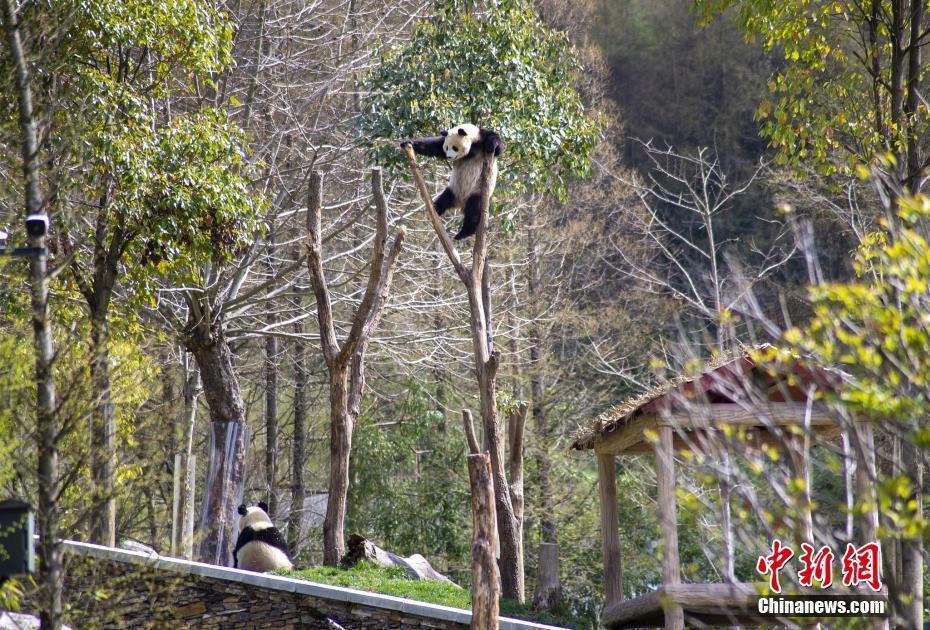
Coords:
pixel 394 581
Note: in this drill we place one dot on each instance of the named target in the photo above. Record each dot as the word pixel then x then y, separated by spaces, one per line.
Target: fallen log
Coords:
pixel 359 548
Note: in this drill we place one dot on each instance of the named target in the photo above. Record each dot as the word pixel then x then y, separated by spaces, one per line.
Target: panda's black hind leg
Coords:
pixel 472 217
pixel 444 201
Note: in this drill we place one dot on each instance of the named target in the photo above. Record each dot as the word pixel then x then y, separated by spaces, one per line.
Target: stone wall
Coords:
pixel 115 588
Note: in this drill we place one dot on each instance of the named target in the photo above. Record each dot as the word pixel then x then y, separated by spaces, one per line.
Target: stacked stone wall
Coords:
pixel 115 588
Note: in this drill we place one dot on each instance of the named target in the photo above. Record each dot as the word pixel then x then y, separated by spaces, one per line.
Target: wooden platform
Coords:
pixel 703 604
pixel 706 605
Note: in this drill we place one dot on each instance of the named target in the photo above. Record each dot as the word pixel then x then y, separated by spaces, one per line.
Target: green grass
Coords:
pixel 395 581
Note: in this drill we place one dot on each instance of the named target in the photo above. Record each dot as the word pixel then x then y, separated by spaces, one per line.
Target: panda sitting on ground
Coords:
pixel 466 145
pixel 260 546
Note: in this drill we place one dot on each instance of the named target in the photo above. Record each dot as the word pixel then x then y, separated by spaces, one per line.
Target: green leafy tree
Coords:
pixel 848 81
pixel 494 64
pixel 876 328
pixel 143 180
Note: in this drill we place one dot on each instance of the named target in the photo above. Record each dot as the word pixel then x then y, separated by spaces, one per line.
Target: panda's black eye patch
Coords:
pixel 455 149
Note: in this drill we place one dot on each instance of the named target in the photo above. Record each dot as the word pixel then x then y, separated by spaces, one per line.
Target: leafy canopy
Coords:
pixel 876 329
pixel 877 326
pixel 494 64
pixel 834 102
pixel 168 179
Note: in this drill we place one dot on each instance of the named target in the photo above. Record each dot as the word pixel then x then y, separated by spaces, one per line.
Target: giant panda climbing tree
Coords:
pixel 507 499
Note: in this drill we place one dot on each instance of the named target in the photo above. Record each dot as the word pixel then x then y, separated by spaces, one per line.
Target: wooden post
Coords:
pixel 610 533
pixel 866 480
pixel 186 546
pixel 485 580
pixel 665 498
pixel 176 504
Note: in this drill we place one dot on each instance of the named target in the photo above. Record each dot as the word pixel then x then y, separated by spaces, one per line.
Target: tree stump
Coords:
pixel 485 579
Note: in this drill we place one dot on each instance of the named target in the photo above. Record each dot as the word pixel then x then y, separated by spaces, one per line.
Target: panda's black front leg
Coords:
pixel 432 146
pixel 444 201
pixel 472 217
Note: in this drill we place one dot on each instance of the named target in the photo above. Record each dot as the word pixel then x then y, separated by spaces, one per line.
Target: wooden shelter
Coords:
pixel 687 413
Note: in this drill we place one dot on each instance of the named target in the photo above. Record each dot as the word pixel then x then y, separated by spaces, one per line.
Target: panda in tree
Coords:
pixel 465 145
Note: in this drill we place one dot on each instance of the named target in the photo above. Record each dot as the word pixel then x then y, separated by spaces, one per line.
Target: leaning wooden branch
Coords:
pixel 346 362
pixel 486 364
pixel 444 239
pixel 375 266
pixel 324 307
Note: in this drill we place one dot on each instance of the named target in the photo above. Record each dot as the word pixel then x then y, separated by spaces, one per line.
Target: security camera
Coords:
pixel 36 225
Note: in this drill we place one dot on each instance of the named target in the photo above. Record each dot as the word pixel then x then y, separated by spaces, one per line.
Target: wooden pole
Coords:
pixel 665 497
pixel 610 533
pixel 866 482
pixel 186 522
pixel 176 505
pixel 485 580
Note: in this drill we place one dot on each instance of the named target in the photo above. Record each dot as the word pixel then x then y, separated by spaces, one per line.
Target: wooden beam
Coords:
pixel 762 415
pixel 625 435
pixel 628 437
pixel 665 498
pixel 610 532
pixel 705 605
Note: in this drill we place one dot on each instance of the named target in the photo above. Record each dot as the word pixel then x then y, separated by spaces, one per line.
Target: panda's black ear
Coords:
pixel 263 506
pixel 444 133
pixel 462 132
pixel 243 510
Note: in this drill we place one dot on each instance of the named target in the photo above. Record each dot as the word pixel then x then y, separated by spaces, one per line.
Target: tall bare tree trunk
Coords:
pixel 340 450
pixel 911 598
pixel 299 445
pixel 345 362
pixel 47 422
pixel 226 469
pixel 547 527
pixel 271 422
pixel 486 364
pixel 103 431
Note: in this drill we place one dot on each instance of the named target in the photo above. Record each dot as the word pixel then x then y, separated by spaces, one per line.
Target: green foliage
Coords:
pixel 409 480
pixel 172 185
pixel 189 34
pixel 876 329
pixel 495 64
pixel 829 108
pixel 134 377
pixel 366 576
pixel 183 185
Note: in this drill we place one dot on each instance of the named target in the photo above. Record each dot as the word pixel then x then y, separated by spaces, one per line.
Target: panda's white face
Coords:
pixel 255 517
pixel 459 140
